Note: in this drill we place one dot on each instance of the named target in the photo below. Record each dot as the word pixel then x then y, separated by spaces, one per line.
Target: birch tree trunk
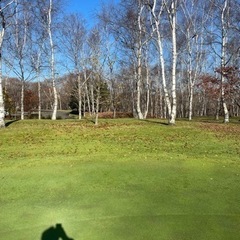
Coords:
pixel 22 100
pixel 2 109
pixel 37 69
pixel 18 48
pixel 190 78
pixel 2 32
pixel 73 42
pixel 92 99
pixel 139 63
pixel 39 100
pixel 148 91
pixel 193 55
pixel 156 27
pixel 174 62
pixel 138 83
pixel 88 99
pixel 97 100
pixel 223 59
pixel 52 62
pixel 79 97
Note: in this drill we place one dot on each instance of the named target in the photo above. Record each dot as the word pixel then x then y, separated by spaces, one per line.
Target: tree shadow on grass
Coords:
pixel 55 233
pixel 7 124
pixel 156 122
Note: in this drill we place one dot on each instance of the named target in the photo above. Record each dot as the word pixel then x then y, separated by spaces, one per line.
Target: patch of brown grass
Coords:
pixel 222 130
pixel 118 115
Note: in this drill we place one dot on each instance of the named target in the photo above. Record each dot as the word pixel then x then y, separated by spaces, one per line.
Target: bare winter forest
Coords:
pixel 145 58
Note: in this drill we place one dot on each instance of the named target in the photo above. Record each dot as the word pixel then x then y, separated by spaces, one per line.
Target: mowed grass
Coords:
pixel 124 179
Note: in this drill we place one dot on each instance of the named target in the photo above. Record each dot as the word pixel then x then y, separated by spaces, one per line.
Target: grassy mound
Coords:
pixel 124 179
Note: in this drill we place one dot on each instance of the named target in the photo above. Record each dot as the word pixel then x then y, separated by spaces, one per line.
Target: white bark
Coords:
pixel 174 62
pixel 138 83
pixel 73 41
pixel 139 65
pixel 88 99
pixel 147 90
pixel 191 87
pixel 2 32
pixel 2 109
pixel 223 58
pixel 52 62
pixel 79 97
pixel 39 100
pixel 156 27
pixel 92 99
pixel 22 101
pixel 20 37
pixel 191 80
pixel 37 69
pixel 172 107
pixel 194 32
pixel 97 100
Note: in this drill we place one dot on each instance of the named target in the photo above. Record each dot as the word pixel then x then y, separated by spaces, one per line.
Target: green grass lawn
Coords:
pixel 125 179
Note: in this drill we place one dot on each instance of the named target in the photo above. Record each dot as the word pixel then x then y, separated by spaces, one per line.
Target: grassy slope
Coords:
pixel 125 179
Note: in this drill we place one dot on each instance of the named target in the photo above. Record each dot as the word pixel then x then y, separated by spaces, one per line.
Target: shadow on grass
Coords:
pixel 54 233
pixel 156 122
pixel 7 124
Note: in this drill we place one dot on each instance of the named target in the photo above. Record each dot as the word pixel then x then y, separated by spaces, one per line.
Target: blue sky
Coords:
pixel 86 7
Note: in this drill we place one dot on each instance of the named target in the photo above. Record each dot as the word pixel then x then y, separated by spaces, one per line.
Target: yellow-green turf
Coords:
pixel 124 179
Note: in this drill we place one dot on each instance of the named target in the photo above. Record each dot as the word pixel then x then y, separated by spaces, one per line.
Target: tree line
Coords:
pixel 148 58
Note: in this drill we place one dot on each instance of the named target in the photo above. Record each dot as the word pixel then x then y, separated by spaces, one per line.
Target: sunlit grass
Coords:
pixel 125 179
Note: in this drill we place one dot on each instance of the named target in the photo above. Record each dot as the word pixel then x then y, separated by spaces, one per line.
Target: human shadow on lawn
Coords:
pixel 55 233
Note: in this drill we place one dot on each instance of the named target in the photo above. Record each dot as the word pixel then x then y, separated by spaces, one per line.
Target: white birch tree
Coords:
pixel 139 50
pixel 224 25
pixel 73 40
pixel 48 11
pixel 194 19
pixel 147 82
pixel 172 19
pixel 127 24
pixel 221 32
pixel 94 42
pixel 38 39
pixel 36 63
pixel 18 46
pixel 156 16
pixel 4 16
pixel 52 59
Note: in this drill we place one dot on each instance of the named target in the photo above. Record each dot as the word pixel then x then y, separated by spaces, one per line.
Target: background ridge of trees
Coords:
pixel 146 58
